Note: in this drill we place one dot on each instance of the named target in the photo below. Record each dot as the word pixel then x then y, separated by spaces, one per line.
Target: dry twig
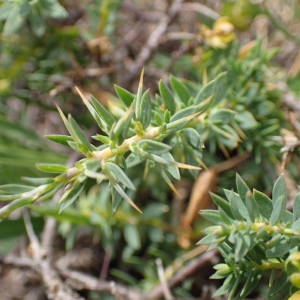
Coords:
pixel 153 41
pixel 56 288
pixel 163 281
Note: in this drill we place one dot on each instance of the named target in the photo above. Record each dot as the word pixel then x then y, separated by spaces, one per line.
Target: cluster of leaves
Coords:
pixel 146 132
pixel 141 140
pixel 249 92
pixel 249 98
pixel 258 239
pixel 15 13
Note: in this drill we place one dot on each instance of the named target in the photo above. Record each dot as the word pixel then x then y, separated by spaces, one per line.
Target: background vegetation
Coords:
pixel 154 90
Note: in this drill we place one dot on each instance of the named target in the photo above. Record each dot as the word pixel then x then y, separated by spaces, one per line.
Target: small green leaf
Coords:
pixel 167 97
pixel 102 138
pixel 60 139
pixel 152 146
pixel 126 197
pixel 15 188
pixel 211 215
pixel 180 89
pixel 78 134
pixel 38 180
pixel 279 189
pixel 245 195
pixel 193 137
pixel 118 175
pixel 296 208
pixel 124 95
pixel 132 236
pixel 102 112
pixel 14 20
pixel 7 197
pixel 242 187
pixel 264 204
pixel 278 210
pixel 246 120
pixel 171 167
pixel 70 196
pixel 213 88
pixel 143 110
pixel 282 282
pixel 6 210
pixel 238 208
pixel 120 129
pixel 183 113
pixel 133 160
pixel 222 203
pixel 225 288
pixel 208 240
pixel 139 98
pixel 221 116
pixel 296 225
pixel 251 283
pixel 52 168
pixel 280 249
pixel 279 198
pixel 55 10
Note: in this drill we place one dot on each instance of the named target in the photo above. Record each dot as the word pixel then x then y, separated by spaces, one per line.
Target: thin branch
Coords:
pixel 93 284
pixel 56 288
pixel 184 273
pixel 163 281
pixel 34 242
pixel 153 41
pixel 48 235
pixel 17 261
pixel 201 9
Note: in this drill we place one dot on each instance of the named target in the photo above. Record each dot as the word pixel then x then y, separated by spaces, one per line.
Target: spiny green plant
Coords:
pixel 146 132
pixel 141 140
pixel 258 239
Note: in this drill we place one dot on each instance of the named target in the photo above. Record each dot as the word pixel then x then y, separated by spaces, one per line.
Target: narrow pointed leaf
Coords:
pixel 279 191
pixel 15 188
pixel 52 168
pixel 126 197
pixel 139 98
pixel 242 187
pixel 211 89
pixel 172 169
pixel 78 134
pixel 264 204
pixel 99 120
pixel 124 95
pixel 120 129
pixel 222 203
pixel 60 139
pixel 278 210
pixel 238 208
pixel 70 197
pixel 167 97
pixel 181 114
pixel 296 208
pixel 180 89
pixel 6 210
pixel 153 146
pixel 119 175
pixel 103 113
